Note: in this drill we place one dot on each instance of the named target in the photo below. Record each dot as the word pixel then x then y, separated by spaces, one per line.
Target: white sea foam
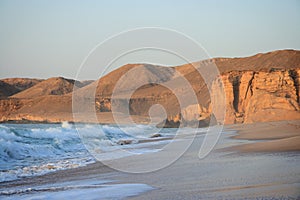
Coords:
pixel 65 124
pixel 35 149
pixel 94 189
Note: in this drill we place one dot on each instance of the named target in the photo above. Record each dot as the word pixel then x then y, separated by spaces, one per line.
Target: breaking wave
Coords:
pixel 35 149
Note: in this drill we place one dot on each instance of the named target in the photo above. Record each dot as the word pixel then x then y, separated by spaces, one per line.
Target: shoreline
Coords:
pixel 217 175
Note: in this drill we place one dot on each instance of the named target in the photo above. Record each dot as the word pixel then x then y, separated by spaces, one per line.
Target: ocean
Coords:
pixel 34 149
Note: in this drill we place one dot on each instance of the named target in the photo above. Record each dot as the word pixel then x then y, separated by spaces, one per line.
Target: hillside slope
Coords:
pixel 11 86
pixel 51 86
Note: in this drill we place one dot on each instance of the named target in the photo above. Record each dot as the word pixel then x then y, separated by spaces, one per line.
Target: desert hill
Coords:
pixel 263 87
pixel 22 83
pixel 281 59
pixel 7 90
pixel 11 86
pixel 143 73
pixel 51 86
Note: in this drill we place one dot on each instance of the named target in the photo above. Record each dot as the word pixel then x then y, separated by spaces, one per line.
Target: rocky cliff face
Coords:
pixel 261 96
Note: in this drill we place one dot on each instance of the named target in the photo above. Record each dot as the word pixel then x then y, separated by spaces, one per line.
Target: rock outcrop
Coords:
pixel 261 96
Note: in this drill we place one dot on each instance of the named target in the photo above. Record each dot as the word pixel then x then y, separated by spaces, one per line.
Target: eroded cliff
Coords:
pixel 261 96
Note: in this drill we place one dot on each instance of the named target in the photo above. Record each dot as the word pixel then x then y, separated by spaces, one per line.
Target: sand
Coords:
pixel 269 136
pixel 223 174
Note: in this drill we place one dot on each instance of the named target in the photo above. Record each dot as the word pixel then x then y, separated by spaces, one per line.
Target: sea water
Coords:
pixel 36 149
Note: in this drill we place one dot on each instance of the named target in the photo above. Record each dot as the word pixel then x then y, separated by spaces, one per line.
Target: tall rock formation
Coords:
pixel 261 96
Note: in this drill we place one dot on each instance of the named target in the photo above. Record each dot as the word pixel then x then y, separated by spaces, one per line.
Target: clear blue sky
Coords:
pixel 51 38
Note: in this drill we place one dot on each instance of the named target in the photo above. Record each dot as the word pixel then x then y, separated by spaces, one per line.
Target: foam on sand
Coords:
pixel 94 189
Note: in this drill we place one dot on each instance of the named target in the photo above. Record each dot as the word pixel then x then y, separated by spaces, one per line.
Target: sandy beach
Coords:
pixel 255 161
pixel 269 136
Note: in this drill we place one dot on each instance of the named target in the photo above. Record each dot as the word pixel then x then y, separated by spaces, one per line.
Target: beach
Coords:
pixel 272 136
pixel 252 161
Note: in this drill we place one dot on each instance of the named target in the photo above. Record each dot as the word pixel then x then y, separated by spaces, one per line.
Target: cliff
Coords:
pixel 261 96
pixel 263 87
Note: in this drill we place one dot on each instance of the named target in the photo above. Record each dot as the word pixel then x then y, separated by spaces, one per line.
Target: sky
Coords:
pixel 42 39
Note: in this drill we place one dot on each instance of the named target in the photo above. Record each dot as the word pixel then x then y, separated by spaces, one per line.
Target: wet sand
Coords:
pixel 223 174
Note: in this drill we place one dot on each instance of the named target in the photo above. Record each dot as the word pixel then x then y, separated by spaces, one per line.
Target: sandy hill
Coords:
pixel 11 86
pixel 7 90
pixel 51 86
pixel 128 77
pixel 131 75
pixel 281 59
pixel 22 83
